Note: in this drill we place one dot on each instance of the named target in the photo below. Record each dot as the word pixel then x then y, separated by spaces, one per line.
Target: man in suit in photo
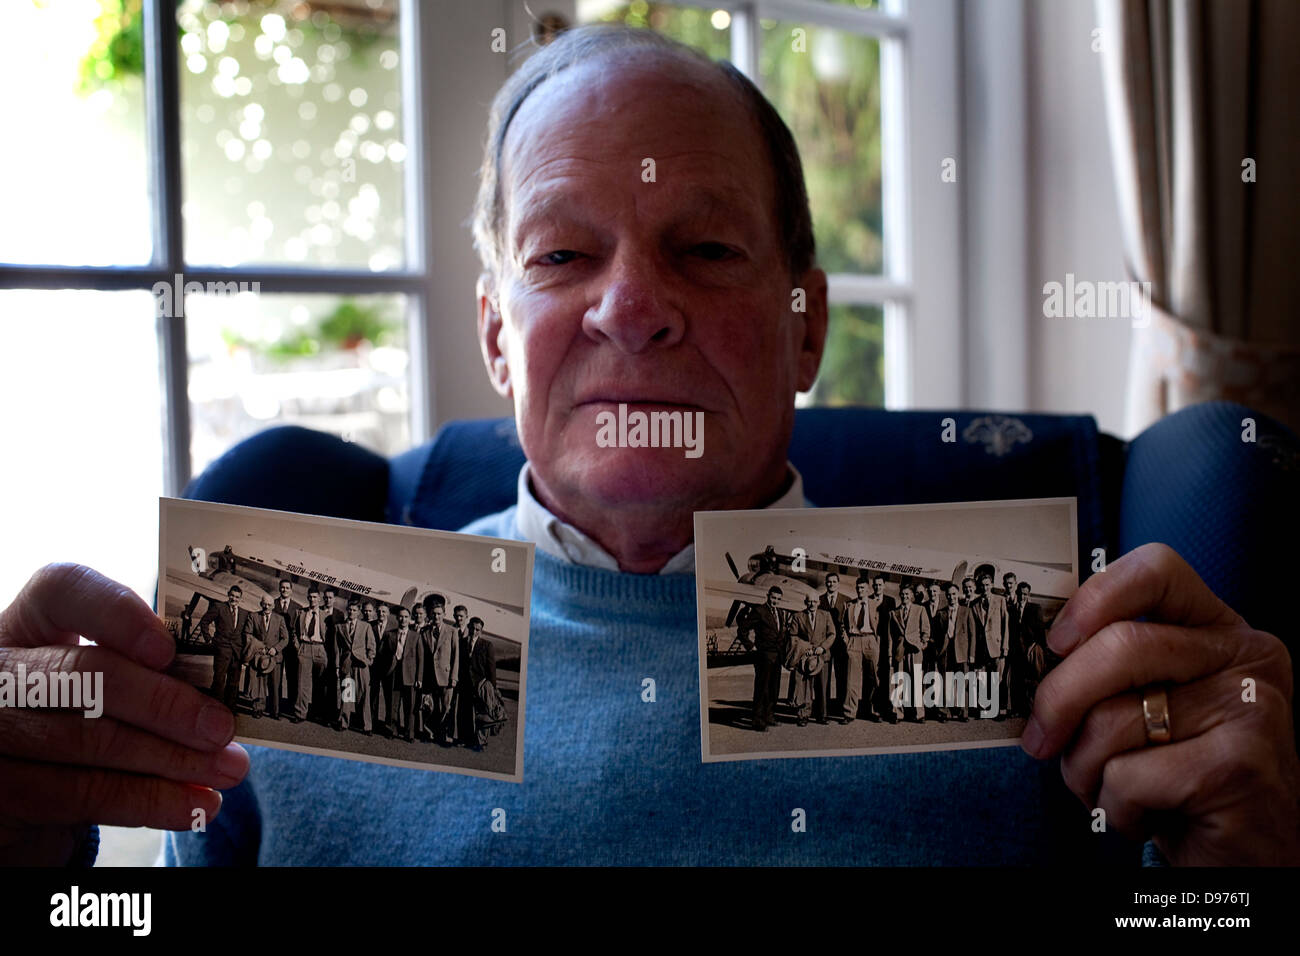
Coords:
pixel 289 609
pixel 882 605
pixel 992 636
pixel 934 598
pixel 961 645
pixel 862 641
pixel 766 624
pixel 938 653
pixel 327 701
pixel 1031 650
pixel 477 663
pixel 460 616
pixel 268 627
pixel 309 641
pixel 834 604
pixel 403 661
pixel 441 667
pixel 817 628
pixel 228 645
pixel 909 627
pixel 356 652
pixel 382 626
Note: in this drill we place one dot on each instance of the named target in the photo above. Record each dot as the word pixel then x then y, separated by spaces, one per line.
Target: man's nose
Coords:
pixel 635 311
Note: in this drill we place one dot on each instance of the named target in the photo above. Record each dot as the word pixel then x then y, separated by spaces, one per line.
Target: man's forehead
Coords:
pixel 608 118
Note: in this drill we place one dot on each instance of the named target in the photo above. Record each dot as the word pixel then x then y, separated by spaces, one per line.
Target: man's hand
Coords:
pixel 153 756
pixel 1226 788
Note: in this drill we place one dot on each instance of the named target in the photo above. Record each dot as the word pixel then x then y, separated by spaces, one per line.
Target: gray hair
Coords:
pixel 593 42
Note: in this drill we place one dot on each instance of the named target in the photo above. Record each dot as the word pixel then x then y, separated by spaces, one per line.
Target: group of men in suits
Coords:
pixel 335 666
pixel 849 652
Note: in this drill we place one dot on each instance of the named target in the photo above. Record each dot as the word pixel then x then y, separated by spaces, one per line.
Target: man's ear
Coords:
pixel 490 331
pixel 815 321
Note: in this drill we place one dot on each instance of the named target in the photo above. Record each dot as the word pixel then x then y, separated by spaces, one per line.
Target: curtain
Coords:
pixel 1201 103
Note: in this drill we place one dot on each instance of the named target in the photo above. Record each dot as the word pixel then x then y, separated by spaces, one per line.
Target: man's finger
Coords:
pixel 133 694
pixel 37 794
pixel 64 601
pixel 1116 725
pixel 1151 581
pixel 1123 656
pixel 65 737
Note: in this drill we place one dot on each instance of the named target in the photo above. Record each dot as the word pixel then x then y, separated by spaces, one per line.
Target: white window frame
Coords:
pixel 920 285
pixel 163 133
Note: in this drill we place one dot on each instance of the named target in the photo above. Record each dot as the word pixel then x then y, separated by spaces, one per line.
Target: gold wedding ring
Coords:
pixel 1155 713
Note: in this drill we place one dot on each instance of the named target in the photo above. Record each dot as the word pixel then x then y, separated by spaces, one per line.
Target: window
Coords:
pixel 870 96
pixel 248 166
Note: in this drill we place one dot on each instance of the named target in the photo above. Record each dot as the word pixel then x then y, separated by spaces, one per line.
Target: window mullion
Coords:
pixel 162 109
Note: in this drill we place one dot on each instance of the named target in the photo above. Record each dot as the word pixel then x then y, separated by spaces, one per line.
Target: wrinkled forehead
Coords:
pixel 608 115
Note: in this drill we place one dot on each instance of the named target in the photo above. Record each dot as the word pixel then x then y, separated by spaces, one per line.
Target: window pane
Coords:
pixel 826 86
pixel 332 363
pixel 76 189
pixel 708 30
pixel 853 365
pixel 291 136
pixel 83 435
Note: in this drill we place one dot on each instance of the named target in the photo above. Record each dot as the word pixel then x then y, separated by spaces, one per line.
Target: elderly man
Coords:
pixel 673 292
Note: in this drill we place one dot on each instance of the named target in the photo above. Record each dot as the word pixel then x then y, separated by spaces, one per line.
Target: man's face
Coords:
pixel 832 585
pixel 328 601
pixel 671 295
pixel 862 590
pixel 952 596
pixel 461 617
pixel 1009 585
pixel 232 597
pixel 810 603
pixel 475 629
pixel 285 589
pixel 403 618
pixel 1022 594
pixel 265 605
pixel 419 615
pixel 369 612
pixel 435 613
pixel 986 585
pixel 772 598
pixel 354 613
pixel 877 587
pixel 383 614
pixel 314 598
pixel 934 594
pixel 969 587
pixel 907 596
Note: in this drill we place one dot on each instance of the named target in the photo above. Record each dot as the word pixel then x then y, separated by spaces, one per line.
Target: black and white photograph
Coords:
pixel 372 642
pixel 841 631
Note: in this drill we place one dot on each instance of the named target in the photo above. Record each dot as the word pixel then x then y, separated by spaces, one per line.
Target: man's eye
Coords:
pixel 558 258
pixel 712 251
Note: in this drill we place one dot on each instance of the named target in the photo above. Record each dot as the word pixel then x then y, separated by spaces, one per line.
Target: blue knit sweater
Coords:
pixel 610 779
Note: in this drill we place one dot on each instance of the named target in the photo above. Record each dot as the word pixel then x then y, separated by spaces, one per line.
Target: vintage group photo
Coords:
pixel 373 642
pixel 836 631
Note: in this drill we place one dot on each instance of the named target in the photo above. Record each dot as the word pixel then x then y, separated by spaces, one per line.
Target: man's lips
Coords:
pixel 640 400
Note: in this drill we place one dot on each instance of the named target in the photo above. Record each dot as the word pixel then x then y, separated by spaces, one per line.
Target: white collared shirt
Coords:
pixel 565 542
